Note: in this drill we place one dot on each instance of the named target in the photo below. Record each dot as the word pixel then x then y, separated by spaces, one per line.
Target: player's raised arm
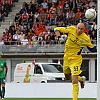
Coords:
pixel 59 30
pixel 91 47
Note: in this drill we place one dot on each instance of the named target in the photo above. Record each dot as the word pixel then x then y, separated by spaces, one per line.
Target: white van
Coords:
pixel 40 73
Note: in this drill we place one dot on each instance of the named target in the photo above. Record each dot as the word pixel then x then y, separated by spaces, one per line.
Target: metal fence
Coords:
pixel 55 48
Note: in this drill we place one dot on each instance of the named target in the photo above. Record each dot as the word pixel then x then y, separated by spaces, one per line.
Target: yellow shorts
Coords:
pixel 72 65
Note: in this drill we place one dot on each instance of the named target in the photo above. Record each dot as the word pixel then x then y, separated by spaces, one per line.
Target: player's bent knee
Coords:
pixel 75 79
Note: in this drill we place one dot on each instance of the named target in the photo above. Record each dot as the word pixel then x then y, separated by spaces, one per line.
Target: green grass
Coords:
pixel 48 99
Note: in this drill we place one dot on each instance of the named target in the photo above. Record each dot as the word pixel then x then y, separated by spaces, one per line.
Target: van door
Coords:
pixel 38 76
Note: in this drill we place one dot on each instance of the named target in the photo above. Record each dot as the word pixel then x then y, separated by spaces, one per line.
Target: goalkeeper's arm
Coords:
pixel 59 30
pixel 94 49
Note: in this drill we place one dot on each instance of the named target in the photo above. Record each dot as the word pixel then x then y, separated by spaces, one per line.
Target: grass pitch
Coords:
pixel 48 99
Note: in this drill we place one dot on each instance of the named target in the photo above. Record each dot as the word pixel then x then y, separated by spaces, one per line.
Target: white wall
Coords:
pixel 48 90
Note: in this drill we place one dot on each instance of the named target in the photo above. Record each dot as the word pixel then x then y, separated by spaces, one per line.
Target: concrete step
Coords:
pixel 17 7
pixel 8 18
pixel 5 23
pixel 18 3
pixel 5 26
pixel 1 34
pixel 24 0
pixel 15 10
pixel 11 15
pixel 1 31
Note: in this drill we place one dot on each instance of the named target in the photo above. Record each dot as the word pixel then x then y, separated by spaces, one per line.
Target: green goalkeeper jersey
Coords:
pixel 3 66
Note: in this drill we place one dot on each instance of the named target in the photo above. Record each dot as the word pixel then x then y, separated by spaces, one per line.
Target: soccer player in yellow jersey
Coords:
pixel 76 41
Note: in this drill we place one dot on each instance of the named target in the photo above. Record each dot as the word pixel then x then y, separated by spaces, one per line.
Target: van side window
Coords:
pixel 37 70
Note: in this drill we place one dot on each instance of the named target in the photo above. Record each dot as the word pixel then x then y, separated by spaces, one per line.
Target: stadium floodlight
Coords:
pixel 98 51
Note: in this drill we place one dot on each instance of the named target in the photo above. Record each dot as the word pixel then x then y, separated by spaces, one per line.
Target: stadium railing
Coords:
pixel 43 48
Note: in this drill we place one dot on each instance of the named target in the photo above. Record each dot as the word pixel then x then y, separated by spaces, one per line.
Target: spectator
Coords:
pixel 88 26
pixel 29 10
pixel 36 16
pixel 12 30
pixel 3 11
pixel 35 43
pixel 15 36
pixel 10 39
pixel 94 26
pixel 39 1
pixel 1 44
pixel 12 25
pixel 21 36
pixel 93 37
pixel 61 4
pixel 91 3
pixel 7 6
pixel 23 9
pixel 40 9
pixel 78 15
pixel 29 36
pixel 18 17
pixel 40 38
pixel 22 26
pixel 52 37
pixel 32 7
pixel 29 45
pixel 24 43
pixel 29 26
pixel 1 18
pixel 44 4
pixel 25 17
pixel 17 27
pixel 48 40
pixel 53 9
pixel 31 18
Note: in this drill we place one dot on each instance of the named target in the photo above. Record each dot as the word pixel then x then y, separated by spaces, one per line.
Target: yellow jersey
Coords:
pixel 75 43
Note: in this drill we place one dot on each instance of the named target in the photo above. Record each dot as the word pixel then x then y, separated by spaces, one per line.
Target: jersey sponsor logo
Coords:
pixel 81 41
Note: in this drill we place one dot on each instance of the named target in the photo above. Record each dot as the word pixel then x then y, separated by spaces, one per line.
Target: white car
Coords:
pixel 38 73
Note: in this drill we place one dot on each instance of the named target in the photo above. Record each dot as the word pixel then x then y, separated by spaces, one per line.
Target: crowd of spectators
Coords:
pixel 5 8
pixel 33 23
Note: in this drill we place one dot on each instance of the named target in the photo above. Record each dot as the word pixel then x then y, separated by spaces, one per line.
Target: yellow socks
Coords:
pixel 75 91
pixel 80 79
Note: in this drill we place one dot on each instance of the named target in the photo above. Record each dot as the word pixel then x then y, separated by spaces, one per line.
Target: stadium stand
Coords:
pixel 29 24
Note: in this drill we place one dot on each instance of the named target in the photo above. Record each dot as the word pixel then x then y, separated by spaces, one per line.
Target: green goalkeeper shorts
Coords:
pixel 2 81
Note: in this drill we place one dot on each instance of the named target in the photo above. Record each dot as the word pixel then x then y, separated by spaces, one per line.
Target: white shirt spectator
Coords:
pixel 91 3
pixel 1 43
pixel 16 36
pixel 21 36
pixel 54 1
pixel 94 26
pixel 24 42
pixel 44 4
pixel 36 15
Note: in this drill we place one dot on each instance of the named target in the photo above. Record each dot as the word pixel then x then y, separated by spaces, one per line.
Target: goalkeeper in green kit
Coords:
pixel 3 73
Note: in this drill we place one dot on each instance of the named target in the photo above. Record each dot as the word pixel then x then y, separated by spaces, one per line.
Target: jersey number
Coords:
pixel 75 68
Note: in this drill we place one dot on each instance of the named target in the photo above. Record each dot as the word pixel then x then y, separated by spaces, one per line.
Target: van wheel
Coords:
pixel 43 82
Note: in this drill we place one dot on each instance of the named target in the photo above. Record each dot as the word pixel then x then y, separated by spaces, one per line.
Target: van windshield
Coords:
pixel 52 68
